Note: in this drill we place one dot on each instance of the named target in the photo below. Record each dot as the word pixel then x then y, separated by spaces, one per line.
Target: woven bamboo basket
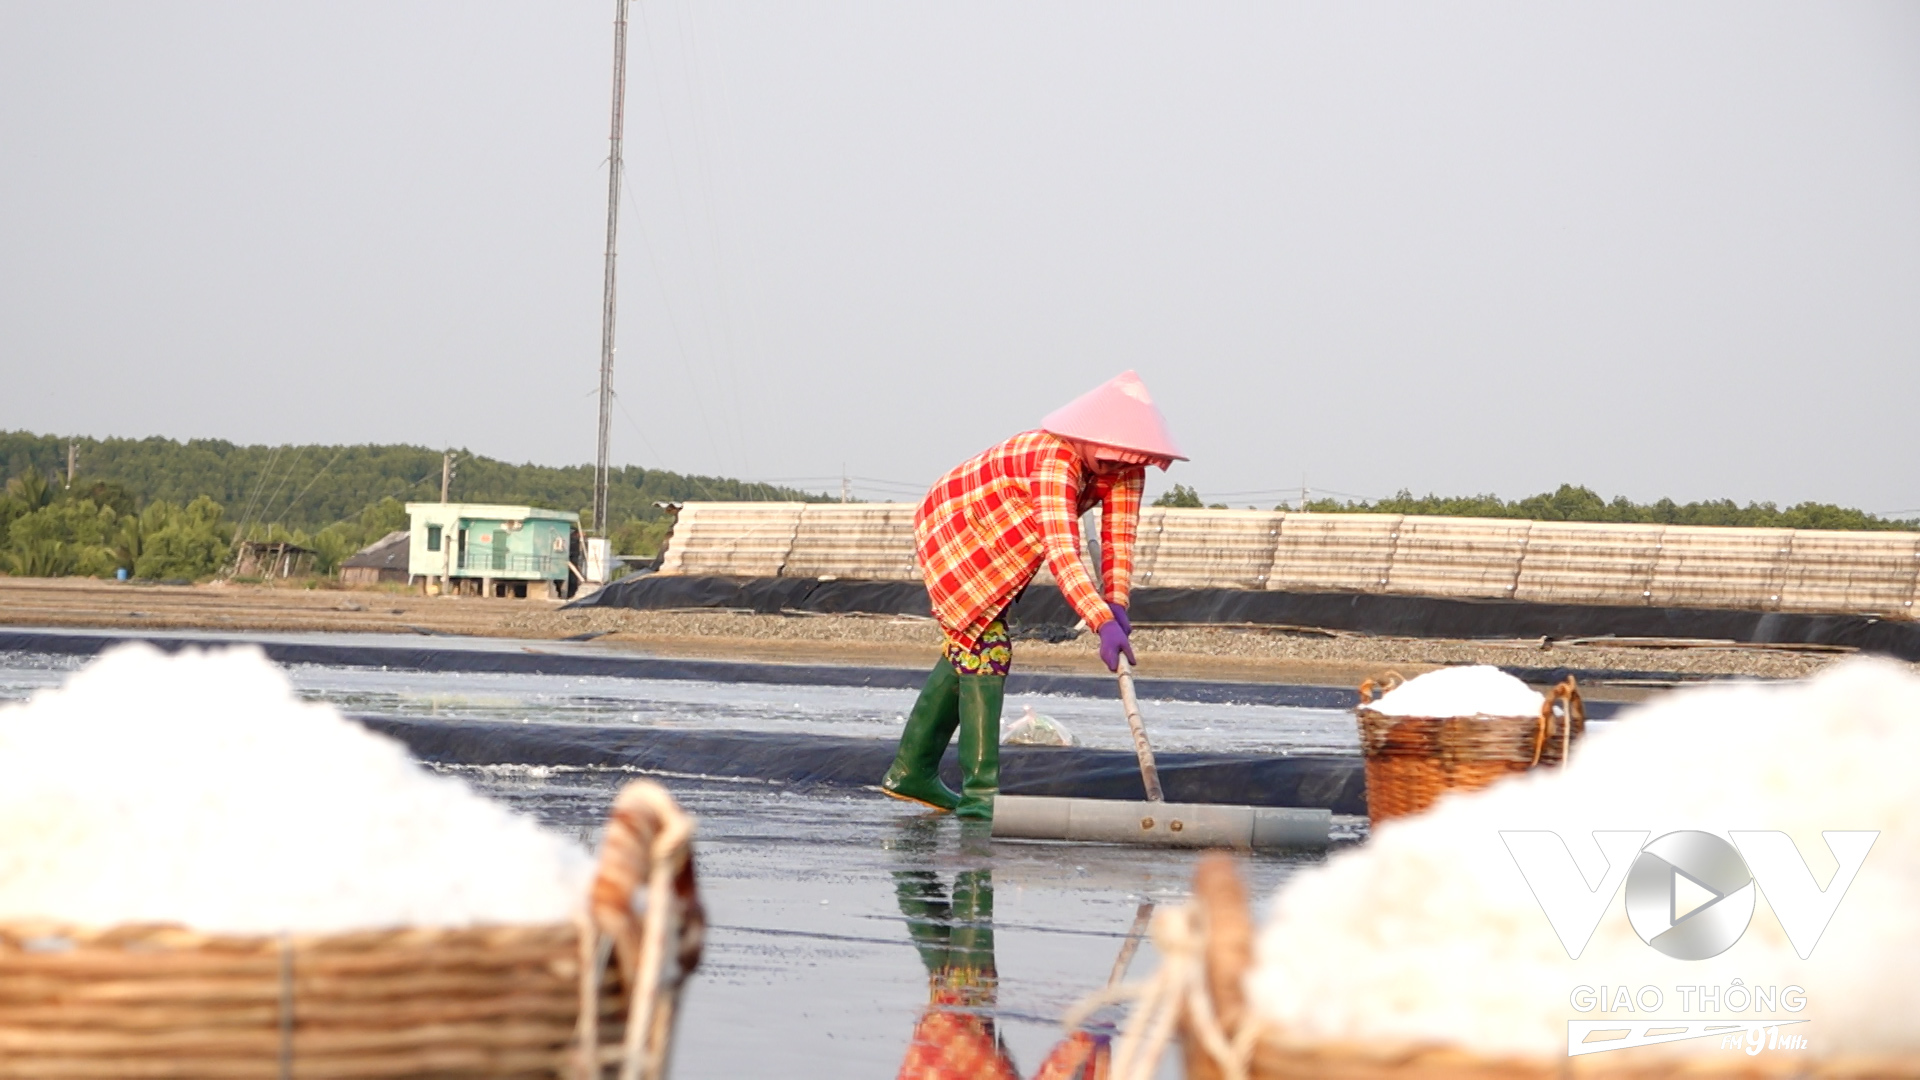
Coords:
pixel 498 1001
pixel 1413 760
pixel 1213 1012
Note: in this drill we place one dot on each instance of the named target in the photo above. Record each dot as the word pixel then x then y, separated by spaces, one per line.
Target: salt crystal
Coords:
pixel 1477 690
pixel 198 789
pixel 1430 934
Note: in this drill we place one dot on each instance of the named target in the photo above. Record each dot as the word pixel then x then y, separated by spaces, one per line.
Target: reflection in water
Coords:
pixel 1142 919
pixel 861 712
pixel 956 1037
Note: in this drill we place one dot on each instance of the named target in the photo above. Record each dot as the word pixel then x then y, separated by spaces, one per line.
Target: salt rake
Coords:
pixel 1156 821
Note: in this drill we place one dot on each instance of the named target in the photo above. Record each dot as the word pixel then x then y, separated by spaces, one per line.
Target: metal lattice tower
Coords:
pixel 613 232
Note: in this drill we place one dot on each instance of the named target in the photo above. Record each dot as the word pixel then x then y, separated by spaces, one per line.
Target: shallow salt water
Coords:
pixel 861 712
pixel 817 897
pixel 827 710
pixel 811 968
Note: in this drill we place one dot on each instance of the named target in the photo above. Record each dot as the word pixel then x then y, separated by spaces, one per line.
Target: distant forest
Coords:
pixel 1572 503
pixel 311 487
pixel 332 498
pixel 161 509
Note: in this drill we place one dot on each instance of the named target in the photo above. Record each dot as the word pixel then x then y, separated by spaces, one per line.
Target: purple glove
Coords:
pixel 1113 642
pixel 1120 615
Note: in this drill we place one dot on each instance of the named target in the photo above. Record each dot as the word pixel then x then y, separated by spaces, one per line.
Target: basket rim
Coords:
pixel 1375 714
pixel 174 935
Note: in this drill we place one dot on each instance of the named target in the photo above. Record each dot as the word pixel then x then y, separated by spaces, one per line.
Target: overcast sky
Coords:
pixel 1658 249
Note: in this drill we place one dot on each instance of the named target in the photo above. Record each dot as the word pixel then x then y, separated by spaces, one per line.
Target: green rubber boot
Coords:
pixel 981 697
pixel 970 945
pixel 929 916
pixel 915 775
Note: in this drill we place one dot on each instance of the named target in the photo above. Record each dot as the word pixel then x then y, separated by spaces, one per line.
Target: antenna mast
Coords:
pixel 613 232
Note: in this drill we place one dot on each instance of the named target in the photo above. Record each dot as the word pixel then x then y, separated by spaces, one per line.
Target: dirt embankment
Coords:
pixel 1237 653
pixel 89 602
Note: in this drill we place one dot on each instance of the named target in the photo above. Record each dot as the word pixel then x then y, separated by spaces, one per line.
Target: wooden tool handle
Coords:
pixel 1142 917
pixel 1149 773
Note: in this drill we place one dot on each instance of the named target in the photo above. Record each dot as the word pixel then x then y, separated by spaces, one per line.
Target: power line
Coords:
pixel 683 25
pixel 1259 492
pixel 638 430
pixel 259 486
pixel 673 318
pixel 288 509
pixel 894 483
pixel 705 322
pixel 424 477
pixel 268 505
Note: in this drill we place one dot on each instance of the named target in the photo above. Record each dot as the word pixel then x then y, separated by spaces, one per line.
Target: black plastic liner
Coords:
pixel 449 658
pixel 1325 782
pixel 445 658
pixel 1366 613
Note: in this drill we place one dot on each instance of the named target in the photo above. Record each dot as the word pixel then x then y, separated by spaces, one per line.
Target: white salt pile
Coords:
pixel 1430 934
pixel 198 789
pixel 1479 690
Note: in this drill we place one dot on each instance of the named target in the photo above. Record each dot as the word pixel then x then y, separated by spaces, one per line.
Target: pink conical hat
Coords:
pixel 1117 413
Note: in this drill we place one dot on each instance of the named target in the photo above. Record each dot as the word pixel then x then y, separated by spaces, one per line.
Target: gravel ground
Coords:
pixel 1210 652
pixel 862 629
pixel 1768 663
pixel 642 627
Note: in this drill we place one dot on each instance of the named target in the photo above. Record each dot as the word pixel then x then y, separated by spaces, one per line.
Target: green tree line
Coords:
pixel 1574 503
pixel 160 508
pixel 53 531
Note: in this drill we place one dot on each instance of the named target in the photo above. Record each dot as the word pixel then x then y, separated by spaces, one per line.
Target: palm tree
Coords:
pixel 128 541
pixel 31 489
pixel 41 558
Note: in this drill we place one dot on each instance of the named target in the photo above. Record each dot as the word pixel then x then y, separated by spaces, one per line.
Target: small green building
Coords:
pixel 479 549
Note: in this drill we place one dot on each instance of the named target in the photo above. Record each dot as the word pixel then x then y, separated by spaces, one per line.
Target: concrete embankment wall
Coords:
pixel 1550 562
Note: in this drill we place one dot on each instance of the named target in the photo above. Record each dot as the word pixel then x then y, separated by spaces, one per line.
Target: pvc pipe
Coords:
pixel 1108 821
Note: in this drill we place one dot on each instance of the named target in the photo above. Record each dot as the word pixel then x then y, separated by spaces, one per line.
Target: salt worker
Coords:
pixel 983 532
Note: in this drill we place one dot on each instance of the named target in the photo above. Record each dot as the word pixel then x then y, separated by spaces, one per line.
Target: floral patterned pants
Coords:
pixel 991 655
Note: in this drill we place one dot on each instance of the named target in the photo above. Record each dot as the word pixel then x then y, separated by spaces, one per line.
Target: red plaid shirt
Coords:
pixel 985 528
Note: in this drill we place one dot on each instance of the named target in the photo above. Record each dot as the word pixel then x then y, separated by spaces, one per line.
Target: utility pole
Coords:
pixel 72 459
pixel 1303 493
pixel 613 233
pixel 846 486
pixel 446 474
